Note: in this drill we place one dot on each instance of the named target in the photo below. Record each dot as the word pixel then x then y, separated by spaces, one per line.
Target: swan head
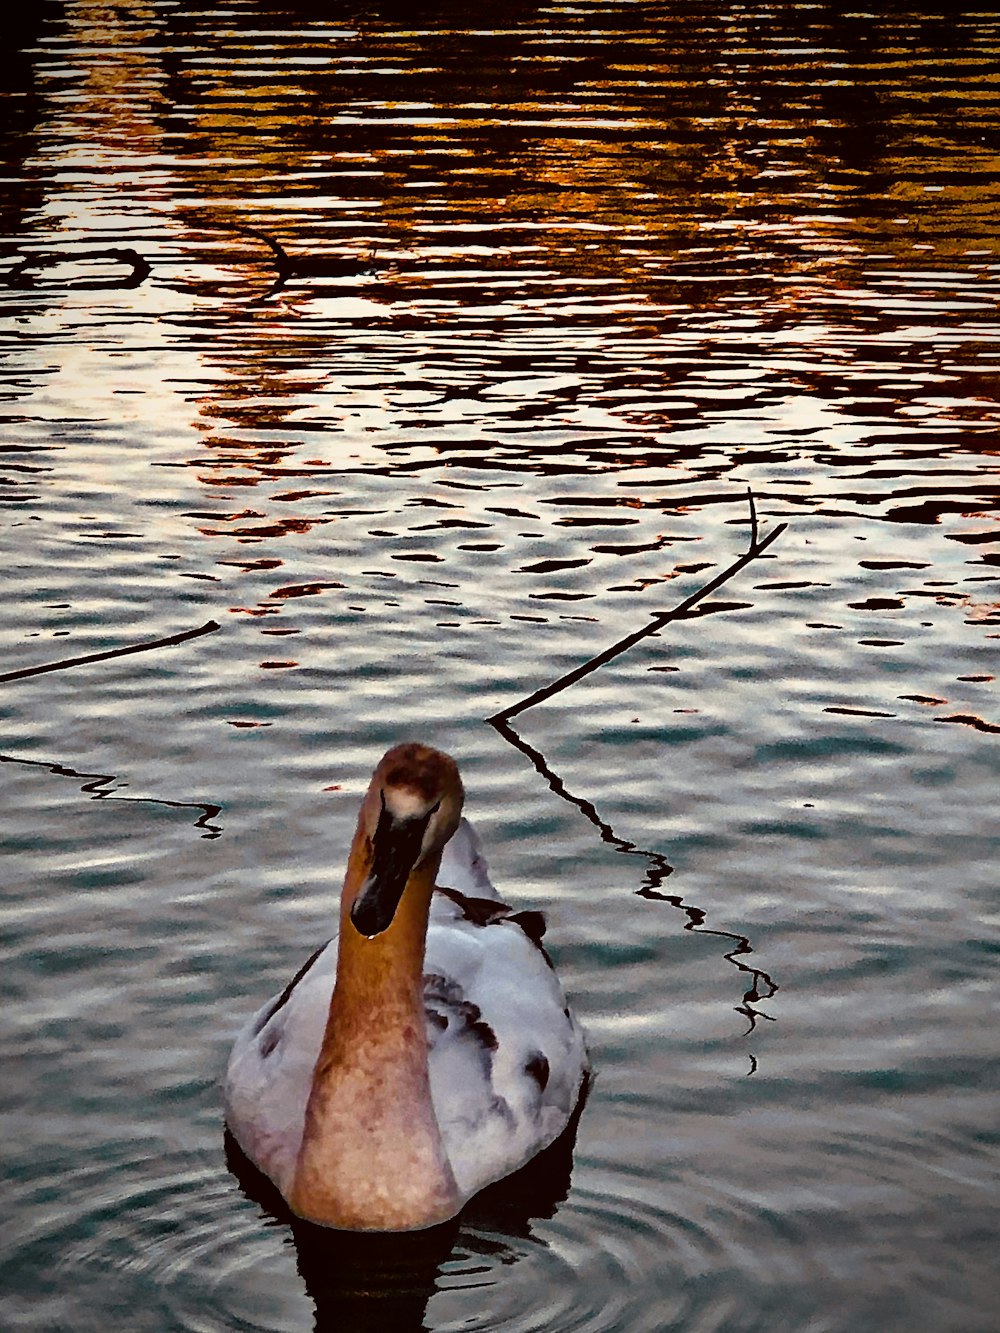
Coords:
pixel 410 810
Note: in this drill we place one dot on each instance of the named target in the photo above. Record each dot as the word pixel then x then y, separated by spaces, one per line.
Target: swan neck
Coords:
pixel 372 1157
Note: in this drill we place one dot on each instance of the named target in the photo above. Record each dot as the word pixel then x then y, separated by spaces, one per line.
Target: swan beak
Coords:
pixel 396 848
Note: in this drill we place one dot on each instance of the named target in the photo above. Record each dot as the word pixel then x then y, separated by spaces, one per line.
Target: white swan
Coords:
pixel 432 1053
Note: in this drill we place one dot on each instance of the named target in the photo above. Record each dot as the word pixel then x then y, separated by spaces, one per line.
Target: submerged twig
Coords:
pixel 302 266
pixel 29 272
pixel 757 546
pixel 22 274
pixel 209 627
pixel 761 985
pixel 98 786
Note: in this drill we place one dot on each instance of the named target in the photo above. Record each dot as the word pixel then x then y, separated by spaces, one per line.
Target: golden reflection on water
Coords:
pixel 458 347
pixel 711 122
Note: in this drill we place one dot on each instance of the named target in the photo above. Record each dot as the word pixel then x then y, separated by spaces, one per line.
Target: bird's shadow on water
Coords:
pixel 360 1282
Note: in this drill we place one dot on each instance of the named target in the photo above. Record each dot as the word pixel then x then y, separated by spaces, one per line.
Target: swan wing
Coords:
pixel 507 1059
pixel 270 1070
pixel 463 865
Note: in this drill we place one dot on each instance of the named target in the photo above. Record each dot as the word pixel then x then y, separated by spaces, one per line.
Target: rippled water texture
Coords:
pixel 429 352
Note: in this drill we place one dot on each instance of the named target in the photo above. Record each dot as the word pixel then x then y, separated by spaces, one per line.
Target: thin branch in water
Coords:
pixel 100 786
pixel 24 274
pixel 208 628
pixel 761 987
pixel 305 266
pixel 756 548
pixel 659 867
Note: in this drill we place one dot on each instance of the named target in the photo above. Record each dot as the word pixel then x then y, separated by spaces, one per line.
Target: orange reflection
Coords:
pixel 690 170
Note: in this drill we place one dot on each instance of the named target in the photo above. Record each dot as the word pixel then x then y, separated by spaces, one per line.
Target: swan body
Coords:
pixel 424 1052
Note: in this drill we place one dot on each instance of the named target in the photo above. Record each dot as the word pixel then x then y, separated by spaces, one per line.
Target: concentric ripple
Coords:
pixel 164 1239
pixel 588 1269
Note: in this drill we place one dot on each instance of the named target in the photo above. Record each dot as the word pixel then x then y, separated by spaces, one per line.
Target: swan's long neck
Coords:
pixel 371 1156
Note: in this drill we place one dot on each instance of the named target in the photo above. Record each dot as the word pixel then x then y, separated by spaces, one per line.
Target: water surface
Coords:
pixel 428 355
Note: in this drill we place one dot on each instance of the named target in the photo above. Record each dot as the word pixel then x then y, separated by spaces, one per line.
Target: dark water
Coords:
pixel 428 351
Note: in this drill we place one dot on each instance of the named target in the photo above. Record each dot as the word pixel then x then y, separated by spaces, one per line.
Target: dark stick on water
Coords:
pixel 209 627
pixel 757 546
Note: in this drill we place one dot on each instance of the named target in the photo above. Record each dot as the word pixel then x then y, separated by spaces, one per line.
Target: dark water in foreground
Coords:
pixel 428 353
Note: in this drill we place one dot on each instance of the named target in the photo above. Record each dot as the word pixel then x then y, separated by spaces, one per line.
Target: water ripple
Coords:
pixel 436 357
pixel 162 1231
